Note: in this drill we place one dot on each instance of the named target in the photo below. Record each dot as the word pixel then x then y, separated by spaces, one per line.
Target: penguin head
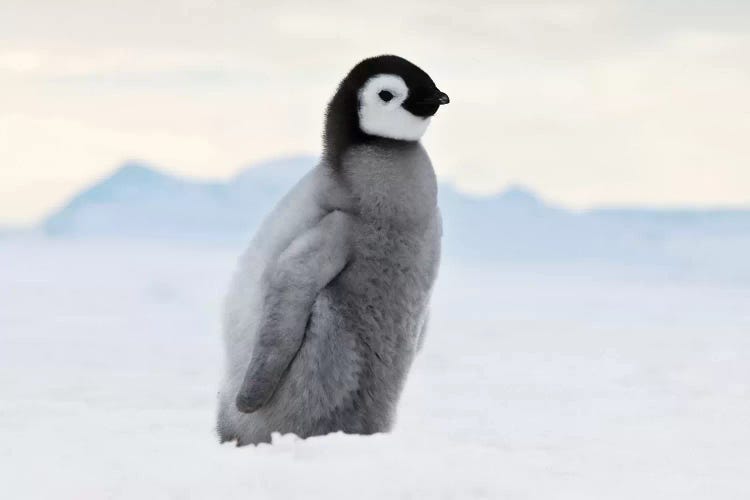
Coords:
pixel 383 97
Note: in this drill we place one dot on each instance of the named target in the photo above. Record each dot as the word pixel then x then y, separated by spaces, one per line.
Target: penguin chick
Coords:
pixel 329 304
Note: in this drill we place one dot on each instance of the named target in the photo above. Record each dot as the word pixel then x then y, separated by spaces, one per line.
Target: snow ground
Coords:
pixel 534 384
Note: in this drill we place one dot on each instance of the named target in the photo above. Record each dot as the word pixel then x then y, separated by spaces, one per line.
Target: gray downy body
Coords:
pixel 358 331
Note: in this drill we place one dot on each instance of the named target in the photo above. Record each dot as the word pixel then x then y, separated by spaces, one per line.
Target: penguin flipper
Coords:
pixel 307 265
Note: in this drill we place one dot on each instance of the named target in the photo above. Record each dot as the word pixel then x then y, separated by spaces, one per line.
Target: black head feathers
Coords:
pixel 382 98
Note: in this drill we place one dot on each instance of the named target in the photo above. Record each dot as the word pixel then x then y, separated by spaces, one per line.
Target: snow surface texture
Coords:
pixel 535 383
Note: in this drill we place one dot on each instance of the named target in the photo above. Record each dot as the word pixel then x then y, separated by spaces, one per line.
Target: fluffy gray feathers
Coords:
pixel 293 282
pixel 330 300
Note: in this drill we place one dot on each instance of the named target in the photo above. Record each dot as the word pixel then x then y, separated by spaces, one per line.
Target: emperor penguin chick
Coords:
pixel 329 304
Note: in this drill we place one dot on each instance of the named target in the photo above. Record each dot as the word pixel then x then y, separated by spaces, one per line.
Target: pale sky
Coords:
pixel 588 102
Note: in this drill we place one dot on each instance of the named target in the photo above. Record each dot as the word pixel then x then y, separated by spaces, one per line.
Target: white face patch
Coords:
pixel 386 118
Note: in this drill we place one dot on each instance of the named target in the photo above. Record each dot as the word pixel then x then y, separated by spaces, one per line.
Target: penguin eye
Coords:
pixel 385 95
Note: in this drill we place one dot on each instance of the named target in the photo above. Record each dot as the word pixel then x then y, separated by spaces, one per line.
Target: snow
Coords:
pixel 537 381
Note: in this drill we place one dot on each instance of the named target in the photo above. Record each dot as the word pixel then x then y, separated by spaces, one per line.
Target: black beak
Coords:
pixel 425 102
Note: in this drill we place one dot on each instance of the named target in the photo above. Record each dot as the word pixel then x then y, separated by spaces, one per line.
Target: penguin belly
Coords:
pixel 359 343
